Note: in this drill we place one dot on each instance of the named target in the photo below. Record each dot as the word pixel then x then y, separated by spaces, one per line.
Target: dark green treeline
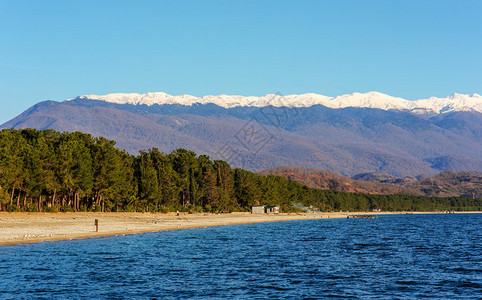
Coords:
pixel 52 171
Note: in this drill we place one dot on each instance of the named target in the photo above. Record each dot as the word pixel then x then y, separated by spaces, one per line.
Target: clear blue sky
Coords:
pixel 61 49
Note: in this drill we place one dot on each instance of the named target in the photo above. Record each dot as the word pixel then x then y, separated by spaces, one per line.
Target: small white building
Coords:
pixel 257 210
pixel 272 209
pixel 262 209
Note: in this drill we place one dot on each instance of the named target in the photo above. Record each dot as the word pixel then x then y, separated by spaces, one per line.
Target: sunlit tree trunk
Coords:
pixel 11 198
pixel 76 202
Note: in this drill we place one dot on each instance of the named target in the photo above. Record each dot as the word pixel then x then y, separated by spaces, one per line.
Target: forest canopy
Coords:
pixel 46 170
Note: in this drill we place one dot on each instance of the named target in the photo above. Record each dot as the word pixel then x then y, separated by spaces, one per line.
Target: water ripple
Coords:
pixel 403 257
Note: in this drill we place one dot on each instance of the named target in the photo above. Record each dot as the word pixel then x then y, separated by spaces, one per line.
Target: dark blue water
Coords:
pixel 404 256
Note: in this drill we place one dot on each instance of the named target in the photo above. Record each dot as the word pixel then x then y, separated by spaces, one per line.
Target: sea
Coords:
pixel 406 256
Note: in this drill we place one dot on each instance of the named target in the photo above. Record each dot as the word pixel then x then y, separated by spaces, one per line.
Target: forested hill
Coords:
pixel 445 184
pixel 52 171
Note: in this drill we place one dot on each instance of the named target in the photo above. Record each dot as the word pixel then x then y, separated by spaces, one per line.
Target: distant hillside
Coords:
pixel 348 141
pixel 445 184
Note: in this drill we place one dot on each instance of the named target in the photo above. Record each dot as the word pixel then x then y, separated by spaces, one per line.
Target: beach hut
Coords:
pixel 257 210
pixel 272 209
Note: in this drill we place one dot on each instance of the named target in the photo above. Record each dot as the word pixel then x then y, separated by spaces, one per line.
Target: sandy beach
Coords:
pixel 18 228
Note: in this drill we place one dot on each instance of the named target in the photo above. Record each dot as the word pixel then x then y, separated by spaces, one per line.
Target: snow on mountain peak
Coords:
pixel 433 105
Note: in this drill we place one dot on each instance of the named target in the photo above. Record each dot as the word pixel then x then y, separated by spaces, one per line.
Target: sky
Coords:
pixel 56 50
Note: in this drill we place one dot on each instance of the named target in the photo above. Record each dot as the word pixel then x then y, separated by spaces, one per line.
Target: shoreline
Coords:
pixel 24 228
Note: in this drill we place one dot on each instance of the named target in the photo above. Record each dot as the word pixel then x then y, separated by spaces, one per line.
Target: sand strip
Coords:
pixel 18 228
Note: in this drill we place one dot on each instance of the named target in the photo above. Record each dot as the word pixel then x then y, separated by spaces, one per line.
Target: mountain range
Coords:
pixel 348 134
pixel 433 105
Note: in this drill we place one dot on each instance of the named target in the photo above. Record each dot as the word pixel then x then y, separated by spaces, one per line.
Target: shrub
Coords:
pixel 197 209
pixel 51 209
pixel 66 208
pixel 128 208
pixel 164 210
pixel 13 208
pixel 31 208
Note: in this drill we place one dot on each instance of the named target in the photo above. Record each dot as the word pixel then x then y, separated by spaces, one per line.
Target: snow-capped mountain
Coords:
pixel 433 105
pixel 373 133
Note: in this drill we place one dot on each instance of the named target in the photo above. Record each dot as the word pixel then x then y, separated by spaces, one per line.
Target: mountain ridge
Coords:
pixel 348 141
pixel 432 105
